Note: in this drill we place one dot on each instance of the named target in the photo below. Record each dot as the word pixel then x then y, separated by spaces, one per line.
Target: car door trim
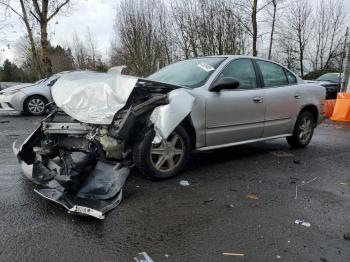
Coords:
pixel 240 143
pixel 239 124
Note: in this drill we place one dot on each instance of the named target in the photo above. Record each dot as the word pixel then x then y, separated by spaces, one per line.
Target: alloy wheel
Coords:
pixel 36 106
pixel 305 130
pixel 167 155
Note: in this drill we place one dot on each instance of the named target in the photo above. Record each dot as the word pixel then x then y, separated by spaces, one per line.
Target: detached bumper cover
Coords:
pixel 84 187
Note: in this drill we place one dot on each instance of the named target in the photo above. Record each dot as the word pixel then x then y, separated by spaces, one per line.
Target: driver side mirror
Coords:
pixel 224 83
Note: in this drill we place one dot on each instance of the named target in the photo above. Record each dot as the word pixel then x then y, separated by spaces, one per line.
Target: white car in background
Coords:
pixel 29 98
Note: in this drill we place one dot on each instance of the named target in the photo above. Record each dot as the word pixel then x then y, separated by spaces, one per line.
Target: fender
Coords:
pixel 167 117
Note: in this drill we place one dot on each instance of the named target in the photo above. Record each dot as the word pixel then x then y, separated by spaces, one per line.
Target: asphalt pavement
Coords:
pixel 241 201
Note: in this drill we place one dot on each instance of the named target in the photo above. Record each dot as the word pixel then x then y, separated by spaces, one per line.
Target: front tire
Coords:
pixel 303 130
pixel 165 159
pixel 35 105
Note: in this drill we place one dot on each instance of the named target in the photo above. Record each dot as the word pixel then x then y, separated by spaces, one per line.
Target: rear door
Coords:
pixel 236 115
pixel 282 98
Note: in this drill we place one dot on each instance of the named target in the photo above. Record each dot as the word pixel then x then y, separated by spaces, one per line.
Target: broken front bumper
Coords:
pixel 77 181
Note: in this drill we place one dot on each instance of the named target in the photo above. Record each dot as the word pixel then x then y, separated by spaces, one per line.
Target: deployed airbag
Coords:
pixel 91 97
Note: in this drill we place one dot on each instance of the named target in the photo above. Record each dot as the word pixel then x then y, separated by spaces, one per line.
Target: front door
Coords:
pixel 237 115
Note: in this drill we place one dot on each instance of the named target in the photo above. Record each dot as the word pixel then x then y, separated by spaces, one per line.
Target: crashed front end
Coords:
pixel 80 155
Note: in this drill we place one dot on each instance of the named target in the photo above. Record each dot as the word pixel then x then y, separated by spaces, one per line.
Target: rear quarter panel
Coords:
pixel 313 94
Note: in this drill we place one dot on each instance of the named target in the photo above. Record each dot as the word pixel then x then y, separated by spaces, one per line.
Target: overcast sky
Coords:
pixel 97 15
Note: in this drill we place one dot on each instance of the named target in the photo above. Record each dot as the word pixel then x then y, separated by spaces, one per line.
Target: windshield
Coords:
pixel 335 78
pixel 189 73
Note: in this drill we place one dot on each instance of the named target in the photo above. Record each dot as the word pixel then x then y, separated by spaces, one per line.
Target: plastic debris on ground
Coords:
pixel 252 196
pixel 143 257
pixel 302 223
pixel 184 183
pixel 233 254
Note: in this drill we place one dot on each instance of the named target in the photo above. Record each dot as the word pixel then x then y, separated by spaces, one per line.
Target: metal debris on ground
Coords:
pixel 184 183
pixel 302 223
pixel 280 153
pixel 278 257
pixel 234 254
pixel 253 196
pixel 208 200
pixel 347 236
pixel 343 184
pixel 143 257
pixel 303 183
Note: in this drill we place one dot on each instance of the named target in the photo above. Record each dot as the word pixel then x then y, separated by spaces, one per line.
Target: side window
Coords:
pixel 291 78
pixel 243 71
pixel 273 74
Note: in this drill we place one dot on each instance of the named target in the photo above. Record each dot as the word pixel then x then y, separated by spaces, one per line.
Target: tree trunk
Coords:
pixel 45 50
pixel 34 51
pixel 255 27
pixel 273 26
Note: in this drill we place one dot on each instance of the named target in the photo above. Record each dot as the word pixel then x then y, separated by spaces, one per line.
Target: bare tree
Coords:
pixel 39 12
pixel 143 39
pixel 251 13
pixel 329 29
pixel 274 3
pixel 204 27
pixel 299 27
pixel 91 49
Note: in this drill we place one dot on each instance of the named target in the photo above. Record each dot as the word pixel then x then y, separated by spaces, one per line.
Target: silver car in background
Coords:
pixel 113 122
pixel 29 98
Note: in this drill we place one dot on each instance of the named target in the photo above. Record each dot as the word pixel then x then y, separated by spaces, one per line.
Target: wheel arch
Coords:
pixel 188 126
pixel 312 109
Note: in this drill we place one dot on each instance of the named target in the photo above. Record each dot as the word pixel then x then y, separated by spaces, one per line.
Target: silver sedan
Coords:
pixel 115 122
pixel 29 98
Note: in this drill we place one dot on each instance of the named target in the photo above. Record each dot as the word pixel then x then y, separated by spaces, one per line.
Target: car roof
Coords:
pixel 247 56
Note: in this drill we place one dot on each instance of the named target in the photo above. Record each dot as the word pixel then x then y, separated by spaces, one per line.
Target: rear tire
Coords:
pixel 35 105
pixel 162 160
pixel 303 130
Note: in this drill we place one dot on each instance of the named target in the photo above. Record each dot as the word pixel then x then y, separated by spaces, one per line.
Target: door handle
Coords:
pixel 297 96
pixel 258 99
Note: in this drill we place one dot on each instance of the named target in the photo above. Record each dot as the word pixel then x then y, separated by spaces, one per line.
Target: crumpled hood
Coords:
pixel 91 97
